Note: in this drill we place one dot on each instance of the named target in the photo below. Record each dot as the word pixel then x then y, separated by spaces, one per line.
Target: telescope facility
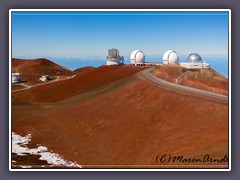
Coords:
pixel 137 58
pixel 16 78
pixel 170 57
pixel 113 57
pixel 194 61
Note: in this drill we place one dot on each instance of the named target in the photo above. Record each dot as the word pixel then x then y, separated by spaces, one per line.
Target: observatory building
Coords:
pixel 137 58
pixel 194 61
pixel 44 78
pixel 15 78
pixel 170 57
pixel 113 57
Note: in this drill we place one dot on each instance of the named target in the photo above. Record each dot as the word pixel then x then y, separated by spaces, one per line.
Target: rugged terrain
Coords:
pixel 31 70
pixel 205 79
pixel 111 116
pixel 84 82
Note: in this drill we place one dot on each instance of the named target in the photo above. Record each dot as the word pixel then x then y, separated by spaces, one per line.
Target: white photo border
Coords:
pixel 122 10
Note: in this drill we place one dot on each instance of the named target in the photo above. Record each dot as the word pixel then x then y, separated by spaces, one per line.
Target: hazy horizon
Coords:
pixel 219 63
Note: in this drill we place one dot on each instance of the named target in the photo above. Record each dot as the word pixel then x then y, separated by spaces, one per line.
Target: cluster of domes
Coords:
pixel 137 57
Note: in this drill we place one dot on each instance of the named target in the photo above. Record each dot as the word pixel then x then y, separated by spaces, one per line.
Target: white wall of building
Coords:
pixel 195 65
pixel 117 62
pixel 15 78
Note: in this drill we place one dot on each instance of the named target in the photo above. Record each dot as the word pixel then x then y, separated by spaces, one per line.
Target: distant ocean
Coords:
pixel 220 63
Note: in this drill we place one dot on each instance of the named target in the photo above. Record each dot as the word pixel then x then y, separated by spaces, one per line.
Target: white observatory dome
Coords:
pixel 170 57
pixel 195 58
pixel 137 56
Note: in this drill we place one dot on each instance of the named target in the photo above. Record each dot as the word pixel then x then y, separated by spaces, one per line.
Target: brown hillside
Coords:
pixel 84 69
pixel 32 70
pixel 17 87
pixel 72 87
pixel 119 120
pixel 17 62
pixel 206 79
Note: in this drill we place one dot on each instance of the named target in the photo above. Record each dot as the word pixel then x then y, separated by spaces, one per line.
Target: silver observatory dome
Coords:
pixel 194 57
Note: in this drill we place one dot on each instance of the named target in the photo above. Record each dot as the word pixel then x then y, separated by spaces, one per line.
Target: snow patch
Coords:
pixel 19 147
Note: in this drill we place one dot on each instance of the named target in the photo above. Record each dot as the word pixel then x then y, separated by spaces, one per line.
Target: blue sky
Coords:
pixel 90 34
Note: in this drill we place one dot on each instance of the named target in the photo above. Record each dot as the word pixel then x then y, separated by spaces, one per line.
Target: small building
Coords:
pixel 194 61
pixel 137 58
pixel 16 78
pixel 114 58
pixel 44 78
pixel 170 57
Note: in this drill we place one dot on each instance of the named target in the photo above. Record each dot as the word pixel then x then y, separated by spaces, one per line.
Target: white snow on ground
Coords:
pixel 19 147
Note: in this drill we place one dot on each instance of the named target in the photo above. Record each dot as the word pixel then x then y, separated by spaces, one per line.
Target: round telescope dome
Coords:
pixel 170 57
pixel 137 56
pixel 194 57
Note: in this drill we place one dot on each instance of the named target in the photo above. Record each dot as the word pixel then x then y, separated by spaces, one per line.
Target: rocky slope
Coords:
pixel 31 70
pixel 206 79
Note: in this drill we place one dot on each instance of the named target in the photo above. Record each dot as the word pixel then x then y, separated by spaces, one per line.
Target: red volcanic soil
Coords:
pixel 32 70
pixel 206 79
pixel 72 87
pixel 83 69
pixel 17 87
pixel 111 116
